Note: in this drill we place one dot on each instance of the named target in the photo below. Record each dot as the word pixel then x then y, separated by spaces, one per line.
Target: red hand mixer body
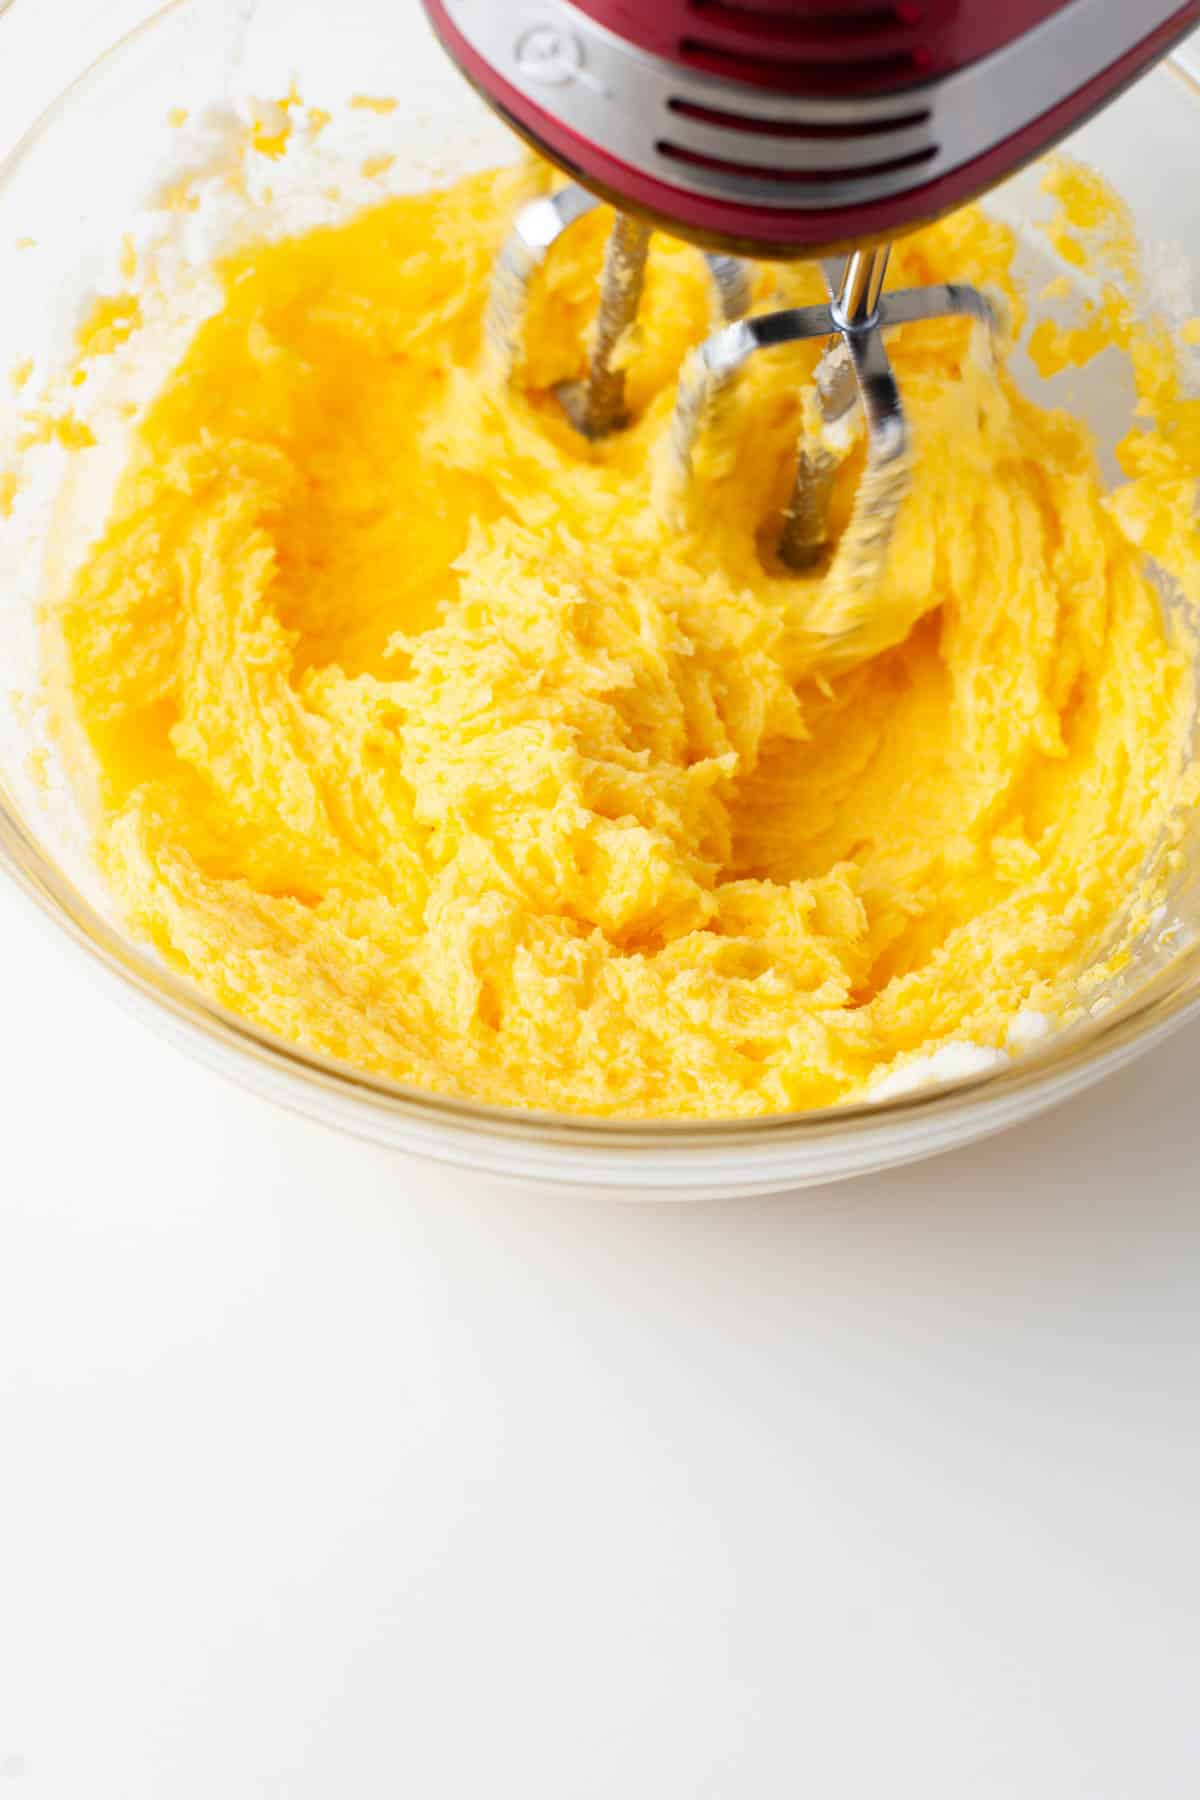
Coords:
pixel 789 127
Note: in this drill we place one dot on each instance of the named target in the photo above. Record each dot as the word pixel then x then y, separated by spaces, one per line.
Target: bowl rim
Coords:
pixel 1071 1055
pixel 1067 1059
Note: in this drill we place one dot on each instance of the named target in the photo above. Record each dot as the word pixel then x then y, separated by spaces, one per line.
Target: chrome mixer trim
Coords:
pixel 627 102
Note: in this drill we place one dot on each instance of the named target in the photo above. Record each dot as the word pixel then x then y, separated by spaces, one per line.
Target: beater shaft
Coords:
pixel 862 280
pixel 805 531
pixel 597 407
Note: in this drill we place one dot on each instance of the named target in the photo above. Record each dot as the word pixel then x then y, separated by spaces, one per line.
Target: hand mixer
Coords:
pixel 785 129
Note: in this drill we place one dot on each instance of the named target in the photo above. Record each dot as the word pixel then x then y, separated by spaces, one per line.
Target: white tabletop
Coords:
pixel 323 1475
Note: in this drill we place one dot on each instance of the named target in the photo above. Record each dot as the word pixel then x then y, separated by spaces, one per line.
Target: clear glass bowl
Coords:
pixel 86 138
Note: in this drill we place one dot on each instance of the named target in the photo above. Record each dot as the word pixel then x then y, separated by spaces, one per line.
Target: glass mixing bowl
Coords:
pixel 89 131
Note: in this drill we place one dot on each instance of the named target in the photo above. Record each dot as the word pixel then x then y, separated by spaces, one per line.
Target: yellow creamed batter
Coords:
pixel 423 740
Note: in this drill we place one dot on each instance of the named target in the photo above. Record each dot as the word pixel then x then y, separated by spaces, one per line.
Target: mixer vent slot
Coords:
pixel 799 129
pixel 840 49
pixel 797 178
pixel 849 75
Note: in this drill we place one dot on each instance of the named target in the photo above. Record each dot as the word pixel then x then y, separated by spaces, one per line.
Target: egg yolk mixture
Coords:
pixel 424 738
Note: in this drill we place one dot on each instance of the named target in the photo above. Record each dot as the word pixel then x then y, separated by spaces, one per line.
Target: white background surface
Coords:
pixel 326 1478
pixel 321 1476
